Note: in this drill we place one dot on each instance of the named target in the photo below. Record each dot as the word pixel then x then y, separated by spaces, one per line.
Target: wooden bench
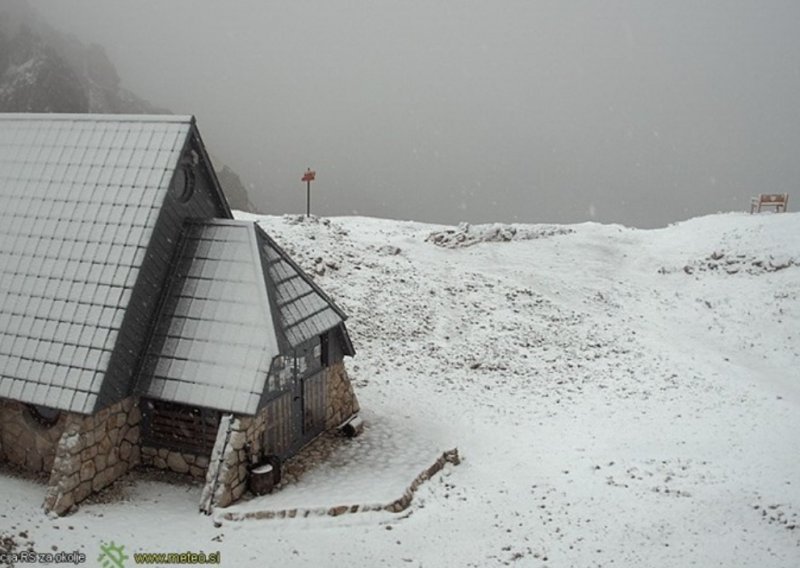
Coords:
pixel 776 200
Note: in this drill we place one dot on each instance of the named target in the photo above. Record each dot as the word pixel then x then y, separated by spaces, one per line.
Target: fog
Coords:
pixel 640 112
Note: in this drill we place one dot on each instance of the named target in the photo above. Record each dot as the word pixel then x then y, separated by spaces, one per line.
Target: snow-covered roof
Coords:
pixel 79 198
pixel 304 310
pixel 218 331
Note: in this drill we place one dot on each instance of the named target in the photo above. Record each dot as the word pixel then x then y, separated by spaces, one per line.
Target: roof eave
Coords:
pixel 349 349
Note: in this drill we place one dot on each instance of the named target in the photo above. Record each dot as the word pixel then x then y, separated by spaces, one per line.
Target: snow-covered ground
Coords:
pixel 618 396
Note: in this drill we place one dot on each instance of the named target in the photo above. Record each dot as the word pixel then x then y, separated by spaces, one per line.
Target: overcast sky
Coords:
pixel 640 112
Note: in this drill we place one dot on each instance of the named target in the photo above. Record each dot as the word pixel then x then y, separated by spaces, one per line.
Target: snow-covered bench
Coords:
pixel 776 200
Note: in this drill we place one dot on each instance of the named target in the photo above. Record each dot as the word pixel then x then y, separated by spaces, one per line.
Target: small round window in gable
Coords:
pixel 183 181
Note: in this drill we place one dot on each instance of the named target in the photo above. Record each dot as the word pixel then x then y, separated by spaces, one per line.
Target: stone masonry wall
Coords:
pixel 180 462
pixel 245 440
pixel 92 453
pixel 342 401
pixel 26 442
pixel 254 433
pixel 230 478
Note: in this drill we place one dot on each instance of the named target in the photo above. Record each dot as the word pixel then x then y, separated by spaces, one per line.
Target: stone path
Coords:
pixel 378 470
pixel 395 506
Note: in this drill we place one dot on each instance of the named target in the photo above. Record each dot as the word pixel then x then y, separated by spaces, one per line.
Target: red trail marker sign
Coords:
pixel 308 177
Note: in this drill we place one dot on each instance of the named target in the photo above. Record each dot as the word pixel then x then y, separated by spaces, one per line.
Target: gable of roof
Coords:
pixel 79 199
pixel 235 302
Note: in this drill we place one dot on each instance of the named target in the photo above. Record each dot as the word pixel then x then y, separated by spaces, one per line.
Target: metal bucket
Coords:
pixel 261 479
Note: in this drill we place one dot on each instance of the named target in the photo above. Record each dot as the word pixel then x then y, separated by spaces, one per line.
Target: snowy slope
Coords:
pixel 620 397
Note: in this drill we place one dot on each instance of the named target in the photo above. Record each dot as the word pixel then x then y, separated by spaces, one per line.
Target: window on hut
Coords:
pixel 324 350
pixel 308 357
pixel 281 376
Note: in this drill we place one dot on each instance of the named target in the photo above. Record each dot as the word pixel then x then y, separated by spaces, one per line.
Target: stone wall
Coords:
pixel 341 399
pixel 85 454
pixel 244 440
pixel 173 460
pixel 25 441
pixel 254 431
pixel 92 453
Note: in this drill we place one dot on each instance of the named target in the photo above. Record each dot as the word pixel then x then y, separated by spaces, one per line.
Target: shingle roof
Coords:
pixel 218 334
pixel 304 310
pixel 80 195
pixel 215 340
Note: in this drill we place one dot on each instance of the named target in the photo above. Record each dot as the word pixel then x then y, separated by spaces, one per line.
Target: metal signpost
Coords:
pixel 308 177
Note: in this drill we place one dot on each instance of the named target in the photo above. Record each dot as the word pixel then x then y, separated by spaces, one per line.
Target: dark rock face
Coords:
pixel 234 190
pixel 42 70
pixel 42 82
